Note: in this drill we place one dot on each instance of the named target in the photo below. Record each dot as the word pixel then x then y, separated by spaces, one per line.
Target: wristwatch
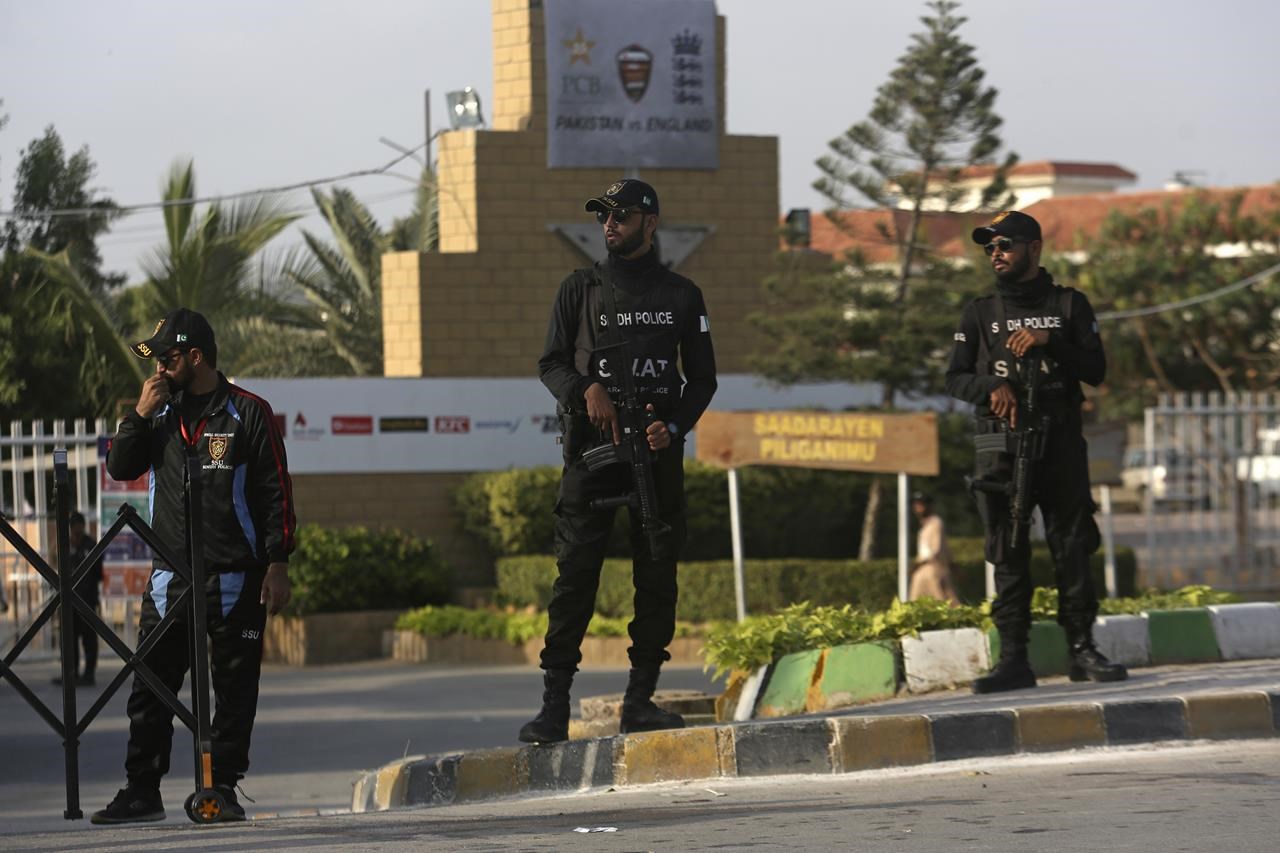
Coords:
pixel 672 428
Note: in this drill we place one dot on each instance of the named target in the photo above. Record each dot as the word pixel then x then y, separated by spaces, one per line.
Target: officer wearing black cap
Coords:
pixel 1029 310
pixel 187 408
pixel 661 318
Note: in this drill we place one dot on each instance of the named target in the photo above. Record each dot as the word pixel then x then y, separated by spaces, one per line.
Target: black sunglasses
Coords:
pixel 1004 244
pixel 168 360
pixel 619 216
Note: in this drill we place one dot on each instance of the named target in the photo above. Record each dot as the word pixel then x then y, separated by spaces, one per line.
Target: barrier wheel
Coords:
pixel 205 806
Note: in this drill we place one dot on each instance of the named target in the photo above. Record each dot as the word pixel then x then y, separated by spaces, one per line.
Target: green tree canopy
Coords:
pixel 862 318
pixel 1190 247
pixel 57 333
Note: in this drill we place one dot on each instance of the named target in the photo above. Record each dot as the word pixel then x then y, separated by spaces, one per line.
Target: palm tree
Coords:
pixel 343 281
pixel 419 230
pixel 86 322
pixel 207 262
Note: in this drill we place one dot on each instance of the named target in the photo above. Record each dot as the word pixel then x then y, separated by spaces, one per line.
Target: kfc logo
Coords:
pixel 453 424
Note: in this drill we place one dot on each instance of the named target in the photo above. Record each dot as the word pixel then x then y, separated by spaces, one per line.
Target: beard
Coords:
pixel 627 245
pixel 1016 270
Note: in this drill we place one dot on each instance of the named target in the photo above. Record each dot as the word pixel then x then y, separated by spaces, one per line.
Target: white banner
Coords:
pixel 631 84
pixel 364 425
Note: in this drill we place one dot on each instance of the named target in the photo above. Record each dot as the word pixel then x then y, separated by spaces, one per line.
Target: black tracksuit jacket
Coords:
pixel 661 316
pixel 246 492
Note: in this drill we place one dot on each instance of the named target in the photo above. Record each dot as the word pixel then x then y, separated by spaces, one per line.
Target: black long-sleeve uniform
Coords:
pixel 663 319
pixel 247 506
pixel 661 316
pixel 980 362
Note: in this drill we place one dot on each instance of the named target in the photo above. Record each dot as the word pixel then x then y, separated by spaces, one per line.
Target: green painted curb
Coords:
pixel 1046 648
pixel 1182 636
pixel 857 673
pixel 788 686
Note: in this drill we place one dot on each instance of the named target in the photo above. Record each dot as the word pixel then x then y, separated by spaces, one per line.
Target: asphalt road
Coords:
pixel 317 727
pixel 1191 797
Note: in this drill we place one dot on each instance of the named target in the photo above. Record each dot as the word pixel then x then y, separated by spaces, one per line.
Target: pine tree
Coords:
pixel 863 319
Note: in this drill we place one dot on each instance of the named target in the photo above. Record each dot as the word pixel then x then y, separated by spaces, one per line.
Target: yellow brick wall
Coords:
pixel 479 307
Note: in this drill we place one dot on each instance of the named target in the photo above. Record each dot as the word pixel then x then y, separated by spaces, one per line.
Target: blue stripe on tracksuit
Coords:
pixel 160 589
pixel 230 588
pixel 240 499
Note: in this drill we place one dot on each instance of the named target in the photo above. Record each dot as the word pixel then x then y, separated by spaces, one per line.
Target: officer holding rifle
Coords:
pixel 1019 357
pixel 620 335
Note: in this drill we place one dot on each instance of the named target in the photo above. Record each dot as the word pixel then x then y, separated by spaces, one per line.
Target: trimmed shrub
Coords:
pixel 707 594
pixel 514 628
pixel 786 512
pixel 706 587
pixel 345 569
pixel 969 571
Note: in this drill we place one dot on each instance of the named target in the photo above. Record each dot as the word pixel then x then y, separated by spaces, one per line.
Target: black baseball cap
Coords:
pixel 181 327
pixel 1008 223
pixel 626 193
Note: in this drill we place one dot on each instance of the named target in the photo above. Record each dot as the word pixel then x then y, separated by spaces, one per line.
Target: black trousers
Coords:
pixel 581 536
pixel 236 620
pixel 1062 493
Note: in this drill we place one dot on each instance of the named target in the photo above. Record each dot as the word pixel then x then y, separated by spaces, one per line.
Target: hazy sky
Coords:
pixel 269 93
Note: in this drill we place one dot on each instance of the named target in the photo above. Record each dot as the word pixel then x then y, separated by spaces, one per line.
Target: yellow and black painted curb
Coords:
pixel 837 744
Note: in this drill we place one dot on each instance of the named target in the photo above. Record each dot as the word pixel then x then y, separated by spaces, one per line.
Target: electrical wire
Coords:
pixel 183 202
pixel 1193 300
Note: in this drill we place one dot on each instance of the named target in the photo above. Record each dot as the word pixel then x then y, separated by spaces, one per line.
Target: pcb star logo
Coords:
pixel 579 48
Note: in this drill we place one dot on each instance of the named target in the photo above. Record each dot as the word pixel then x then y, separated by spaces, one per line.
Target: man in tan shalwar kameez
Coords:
pixel 931 573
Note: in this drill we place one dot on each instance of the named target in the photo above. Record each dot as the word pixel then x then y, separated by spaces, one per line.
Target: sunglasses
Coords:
pixel 619 216
pixel 1004 244
pixel 168 360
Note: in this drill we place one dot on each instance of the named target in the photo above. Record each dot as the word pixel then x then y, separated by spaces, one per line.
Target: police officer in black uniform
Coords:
pixel 660 317
pixel 1028 310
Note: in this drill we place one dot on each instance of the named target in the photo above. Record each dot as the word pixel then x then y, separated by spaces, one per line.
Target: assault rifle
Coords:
pixel 633 421
pixel 1026 444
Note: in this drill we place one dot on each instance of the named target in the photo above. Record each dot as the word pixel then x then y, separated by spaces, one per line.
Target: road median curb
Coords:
pixel 813 745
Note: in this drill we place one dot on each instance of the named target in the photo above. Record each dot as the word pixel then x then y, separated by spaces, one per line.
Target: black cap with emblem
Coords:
pixel 1009 223
pixel 181 327
pixel 626 193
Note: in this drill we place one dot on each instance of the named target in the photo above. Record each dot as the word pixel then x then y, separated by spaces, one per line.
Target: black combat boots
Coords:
pixel 1089 664
pixel 639 714
pixel 552 723
pixel 1011 672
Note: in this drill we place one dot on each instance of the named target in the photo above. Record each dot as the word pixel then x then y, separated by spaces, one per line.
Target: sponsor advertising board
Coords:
pixel 389 425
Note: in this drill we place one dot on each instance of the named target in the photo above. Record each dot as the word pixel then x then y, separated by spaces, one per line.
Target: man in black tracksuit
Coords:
pixel 660 316
pixel 996 332
pixel 187 408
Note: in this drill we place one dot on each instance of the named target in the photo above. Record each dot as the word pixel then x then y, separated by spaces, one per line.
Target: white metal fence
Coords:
pixel 1210 487
pixel 26 490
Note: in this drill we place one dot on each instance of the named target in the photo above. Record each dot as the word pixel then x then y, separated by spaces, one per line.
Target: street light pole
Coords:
pixel 426 112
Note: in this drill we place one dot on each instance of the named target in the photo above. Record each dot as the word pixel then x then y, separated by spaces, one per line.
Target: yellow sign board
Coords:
pixel 845 441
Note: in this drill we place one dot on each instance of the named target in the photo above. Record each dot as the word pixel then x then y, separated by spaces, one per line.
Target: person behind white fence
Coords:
pixel 88 590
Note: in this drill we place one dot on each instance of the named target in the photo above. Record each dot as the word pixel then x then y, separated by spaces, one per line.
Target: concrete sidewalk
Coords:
pixel 1223 700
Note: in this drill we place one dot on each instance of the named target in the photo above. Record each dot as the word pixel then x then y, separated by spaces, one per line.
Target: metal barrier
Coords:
pixel 26 478
pixel 206 804
pixel 1209 484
